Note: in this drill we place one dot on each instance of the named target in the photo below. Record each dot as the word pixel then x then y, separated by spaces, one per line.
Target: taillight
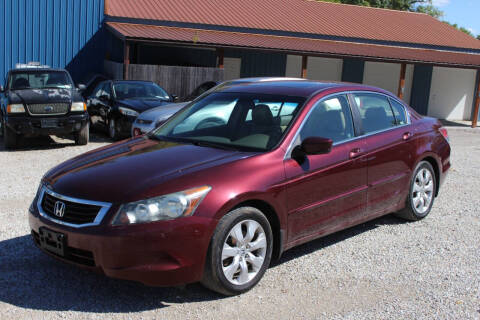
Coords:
pixel 444 133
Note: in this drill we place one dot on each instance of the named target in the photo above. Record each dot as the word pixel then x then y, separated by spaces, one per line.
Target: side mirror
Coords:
pixel 174 97
pixel 104 98
pixel 81 87
pixel 1 89
pixel 311 146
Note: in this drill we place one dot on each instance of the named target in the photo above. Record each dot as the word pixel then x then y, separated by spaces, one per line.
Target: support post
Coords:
pixel 477 102
pixel 220 55
pixel 304 66
pixel 401 83
pixel 126 59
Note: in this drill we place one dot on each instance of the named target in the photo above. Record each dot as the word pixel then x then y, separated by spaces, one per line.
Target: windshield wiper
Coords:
pixel 199 143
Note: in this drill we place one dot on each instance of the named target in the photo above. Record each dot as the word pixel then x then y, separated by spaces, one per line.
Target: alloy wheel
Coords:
pixel 422 191
pixel 244 251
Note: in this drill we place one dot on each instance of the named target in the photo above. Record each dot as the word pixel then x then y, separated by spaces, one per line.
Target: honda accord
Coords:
pixel 294 160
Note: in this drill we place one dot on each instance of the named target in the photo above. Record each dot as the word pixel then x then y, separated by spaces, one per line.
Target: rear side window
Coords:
pixel 330 118
pixel 399 113
pixel 375 112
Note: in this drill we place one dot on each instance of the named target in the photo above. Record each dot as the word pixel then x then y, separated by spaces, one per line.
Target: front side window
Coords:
pixel 331 118
pixel 375 112
pixel 36 79
pixel 244 121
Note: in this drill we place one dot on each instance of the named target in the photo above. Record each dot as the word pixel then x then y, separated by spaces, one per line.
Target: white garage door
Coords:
pixel 451 94
pixel 387 75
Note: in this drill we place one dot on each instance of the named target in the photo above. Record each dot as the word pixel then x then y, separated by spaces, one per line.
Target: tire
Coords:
pixel 234 267
pixel 9 137
pixel 83 136
pixel 421 194
pixel 112 129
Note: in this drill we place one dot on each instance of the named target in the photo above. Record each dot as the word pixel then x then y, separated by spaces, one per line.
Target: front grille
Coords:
pixel 48 108
pixel 75 213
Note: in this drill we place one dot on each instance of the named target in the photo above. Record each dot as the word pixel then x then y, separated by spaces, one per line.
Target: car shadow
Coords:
pixel 324 242
pixel 47 143
pixel 31 279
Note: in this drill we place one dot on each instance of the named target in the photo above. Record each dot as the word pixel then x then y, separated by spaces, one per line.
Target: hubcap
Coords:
pixel 422 192
pixel 243 252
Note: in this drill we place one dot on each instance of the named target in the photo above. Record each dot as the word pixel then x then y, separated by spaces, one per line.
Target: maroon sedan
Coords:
pixel 294 160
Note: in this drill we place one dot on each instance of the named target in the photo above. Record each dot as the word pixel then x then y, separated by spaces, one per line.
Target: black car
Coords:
pixel 42 101
pixel 115 104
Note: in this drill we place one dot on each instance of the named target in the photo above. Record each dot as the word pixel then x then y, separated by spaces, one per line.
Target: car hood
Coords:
pixel 141 105
pixel 130 169
pixel 162 112
pixel 30 96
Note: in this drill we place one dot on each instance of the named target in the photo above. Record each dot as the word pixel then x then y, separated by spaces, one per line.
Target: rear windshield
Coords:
pixel 39 79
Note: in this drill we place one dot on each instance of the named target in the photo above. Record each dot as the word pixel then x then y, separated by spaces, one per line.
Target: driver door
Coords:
pixel 327 192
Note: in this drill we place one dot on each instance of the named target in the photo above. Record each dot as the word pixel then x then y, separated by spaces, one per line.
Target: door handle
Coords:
pixel 407 135
pixel 355 153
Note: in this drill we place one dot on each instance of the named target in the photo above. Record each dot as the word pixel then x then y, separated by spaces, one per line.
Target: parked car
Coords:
pixel 115 104
pixel 216 204
pixel 38 100
pixel 153 118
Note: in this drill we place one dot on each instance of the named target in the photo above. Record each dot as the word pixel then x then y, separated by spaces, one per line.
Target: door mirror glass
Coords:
pixel 81 87
pixel 316 145
pixel 1 89
pixel 311 146
pixel 104 97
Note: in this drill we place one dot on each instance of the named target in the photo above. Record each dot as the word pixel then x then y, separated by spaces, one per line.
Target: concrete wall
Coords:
pixel 452 93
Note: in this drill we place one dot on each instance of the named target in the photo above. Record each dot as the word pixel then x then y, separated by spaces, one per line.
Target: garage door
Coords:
pixel 387 76
pixel 451 94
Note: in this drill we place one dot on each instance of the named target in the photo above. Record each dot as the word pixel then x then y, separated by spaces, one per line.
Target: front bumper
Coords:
pixel 31 126
pixel 162 253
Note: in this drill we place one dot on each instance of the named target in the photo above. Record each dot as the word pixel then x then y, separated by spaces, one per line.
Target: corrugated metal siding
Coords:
pixel 53 32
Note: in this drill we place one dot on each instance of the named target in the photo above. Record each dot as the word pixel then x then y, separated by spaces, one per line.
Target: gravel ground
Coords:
pixel 384 269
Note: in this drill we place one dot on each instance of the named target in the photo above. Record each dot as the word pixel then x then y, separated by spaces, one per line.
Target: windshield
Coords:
pixel 39 80
pixel 132 90
pixel 243 121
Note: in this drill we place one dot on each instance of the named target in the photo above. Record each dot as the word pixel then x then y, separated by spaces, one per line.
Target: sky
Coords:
pixel 465 13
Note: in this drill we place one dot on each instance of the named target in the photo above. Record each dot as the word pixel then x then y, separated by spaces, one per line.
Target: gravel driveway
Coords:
pixel 381 269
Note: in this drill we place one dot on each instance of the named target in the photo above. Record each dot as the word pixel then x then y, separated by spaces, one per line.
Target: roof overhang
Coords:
pixel 292 45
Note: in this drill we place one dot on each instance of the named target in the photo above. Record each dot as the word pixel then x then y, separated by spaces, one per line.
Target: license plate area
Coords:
pixel 52 241
pixel 49 123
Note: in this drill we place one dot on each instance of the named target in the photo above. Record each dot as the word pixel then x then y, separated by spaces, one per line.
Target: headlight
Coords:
pixel 167 207
pixel 79 106
pixel 15 108
pixel 127 112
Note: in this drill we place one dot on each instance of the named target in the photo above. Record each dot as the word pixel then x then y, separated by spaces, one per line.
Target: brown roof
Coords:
pixel 300 16
pixel 291 44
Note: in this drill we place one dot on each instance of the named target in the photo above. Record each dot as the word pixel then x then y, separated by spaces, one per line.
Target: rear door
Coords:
pixel 326 192
pixel 389 150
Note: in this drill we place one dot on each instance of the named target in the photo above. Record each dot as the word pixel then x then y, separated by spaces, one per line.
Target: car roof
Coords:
pixel 36 70
pixel 290 86
pixel 130 81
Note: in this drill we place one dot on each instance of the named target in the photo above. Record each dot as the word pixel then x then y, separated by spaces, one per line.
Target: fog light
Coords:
pixel 137 132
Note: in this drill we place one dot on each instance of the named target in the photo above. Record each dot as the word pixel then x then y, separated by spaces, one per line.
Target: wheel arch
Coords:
pixel 273 219
pixel 436 168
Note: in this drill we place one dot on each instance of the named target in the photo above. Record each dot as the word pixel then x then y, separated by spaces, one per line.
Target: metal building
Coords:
pixel 59 33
